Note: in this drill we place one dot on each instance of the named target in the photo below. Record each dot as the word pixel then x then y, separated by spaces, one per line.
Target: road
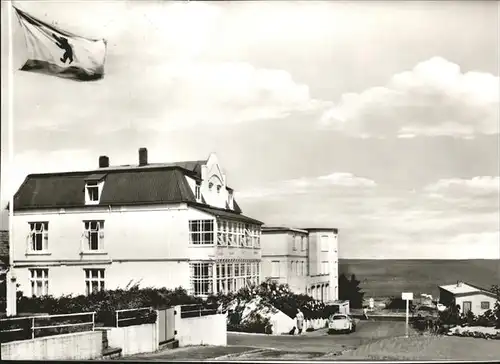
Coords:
pixel 319 341
pixel 311 345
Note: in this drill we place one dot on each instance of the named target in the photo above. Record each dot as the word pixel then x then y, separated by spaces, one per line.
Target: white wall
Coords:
pixel 71 278
pixel 134 339
pixel 129 233
pixel 476 300
pixel 204 330
pixel 76 346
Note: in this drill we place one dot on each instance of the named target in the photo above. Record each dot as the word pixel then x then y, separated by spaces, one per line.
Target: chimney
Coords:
pixel 103 161
pixel 143 156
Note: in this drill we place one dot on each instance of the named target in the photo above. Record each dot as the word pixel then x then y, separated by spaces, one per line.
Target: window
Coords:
pixel 39 279
pixel 303 243
pixel 94 280
pixel 485 305
pixel 39 236
pixel 230 280
pixel 92 191
pixel 201 232
pixel 304 272
pixel 210 185
pixel 324 243
pixel 294 242
pixel 275 268
pixel 197 192
pixel 201 278
pixel 218 188
pixel 230 199
pixel 94 235
pixel 324 267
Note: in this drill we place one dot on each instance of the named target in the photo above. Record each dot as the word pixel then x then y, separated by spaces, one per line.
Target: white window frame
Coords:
pixel 38 236
pixel 324 267
pixel 201 278
pixel 197 191
pixel 95 197
pixel 303 243
pixel 94 278
pixel 39 281
pixel 324 243
pixel 93 228
pixel 202 232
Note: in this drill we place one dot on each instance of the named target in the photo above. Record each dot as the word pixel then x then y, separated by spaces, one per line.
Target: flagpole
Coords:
pixel 10 277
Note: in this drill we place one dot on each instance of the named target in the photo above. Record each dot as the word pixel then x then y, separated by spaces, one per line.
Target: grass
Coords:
pixel 427 348
pixel 385 278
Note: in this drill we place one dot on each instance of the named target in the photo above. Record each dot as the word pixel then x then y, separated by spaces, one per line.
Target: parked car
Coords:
pixel 341 323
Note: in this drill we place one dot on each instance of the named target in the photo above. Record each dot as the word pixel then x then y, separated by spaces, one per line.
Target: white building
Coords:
pixel 163 225
pixel 305 259
pixel 468 296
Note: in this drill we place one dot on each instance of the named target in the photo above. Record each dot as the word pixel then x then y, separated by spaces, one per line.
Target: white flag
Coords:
pixel 57 52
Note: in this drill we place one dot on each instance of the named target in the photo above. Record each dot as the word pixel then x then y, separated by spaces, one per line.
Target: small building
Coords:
pixel 305 259
pixel 468 296
pixel 158 224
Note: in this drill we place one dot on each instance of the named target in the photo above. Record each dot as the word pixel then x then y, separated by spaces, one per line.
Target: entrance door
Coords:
pixel 467 307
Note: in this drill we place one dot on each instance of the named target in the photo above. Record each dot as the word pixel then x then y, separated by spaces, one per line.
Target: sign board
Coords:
pixel 407 296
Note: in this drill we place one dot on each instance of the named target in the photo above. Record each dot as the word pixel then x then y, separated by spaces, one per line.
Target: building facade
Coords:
pixel 305 259
pixel 159 225
pixel 468 297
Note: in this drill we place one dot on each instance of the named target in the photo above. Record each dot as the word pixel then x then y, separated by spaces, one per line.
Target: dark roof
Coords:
pixel 284 229
pixel 124 185
pixel 4 247
pixel 227 214
pixel 334 230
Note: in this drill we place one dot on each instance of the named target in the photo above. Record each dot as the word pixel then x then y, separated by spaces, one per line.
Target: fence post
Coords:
pixel 116 318
pixel 32 327
pixel 93 321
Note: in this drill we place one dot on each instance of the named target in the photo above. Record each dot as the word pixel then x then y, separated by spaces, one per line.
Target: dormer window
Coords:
pixel 218 188
pixel 210 185
pixel 93 188
pixel 93 192
pixel 230 198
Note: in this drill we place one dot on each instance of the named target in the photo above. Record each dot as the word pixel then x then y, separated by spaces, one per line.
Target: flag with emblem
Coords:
pixel 60 53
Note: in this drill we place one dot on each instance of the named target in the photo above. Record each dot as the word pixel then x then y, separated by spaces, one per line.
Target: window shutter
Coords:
pixel 45 240
pixel 29 240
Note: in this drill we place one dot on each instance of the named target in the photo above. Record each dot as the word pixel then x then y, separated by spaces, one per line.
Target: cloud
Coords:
pixel 481 185
pixel 375 222
pixel 179 95
pixel 304 185
pixel 435 98
pixel 30 162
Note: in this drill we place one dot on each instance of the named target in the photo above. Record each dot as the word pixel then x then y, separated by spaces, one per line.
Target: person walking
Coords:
pixel 365 313
pixel 300 321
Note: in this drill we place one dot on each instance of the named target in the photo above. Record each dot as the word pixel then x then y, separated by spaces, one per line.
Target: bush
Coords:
pixel 105 303
pixel 255 323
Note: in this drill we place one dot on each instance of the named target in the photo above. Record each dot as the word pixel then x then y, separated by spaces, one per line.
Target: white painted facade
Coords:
pixel 150 245
pixel 306 260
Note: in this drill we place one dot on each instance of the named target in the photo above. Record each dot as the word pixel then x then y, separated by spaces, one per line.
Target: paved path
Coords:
pixel 309 346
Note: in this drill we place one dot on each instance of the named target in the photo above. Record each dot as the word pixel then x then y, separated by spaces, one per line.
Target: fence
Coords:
pixel 24 328
pixel 166 325
pixel 198 310
pixel 133 316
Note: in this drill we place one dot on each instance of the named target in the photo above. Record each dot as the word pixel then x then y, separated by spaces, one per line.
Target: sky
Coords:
pixel 378 118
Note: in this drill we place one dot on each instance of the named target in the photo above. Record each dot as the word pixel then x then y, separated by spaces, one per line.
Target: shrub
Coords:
pixel 105 303
pixel 255 323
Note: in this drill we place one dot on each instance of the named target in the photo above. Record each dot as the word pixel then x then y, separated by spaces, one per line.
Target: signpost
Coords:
pixel 407 296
